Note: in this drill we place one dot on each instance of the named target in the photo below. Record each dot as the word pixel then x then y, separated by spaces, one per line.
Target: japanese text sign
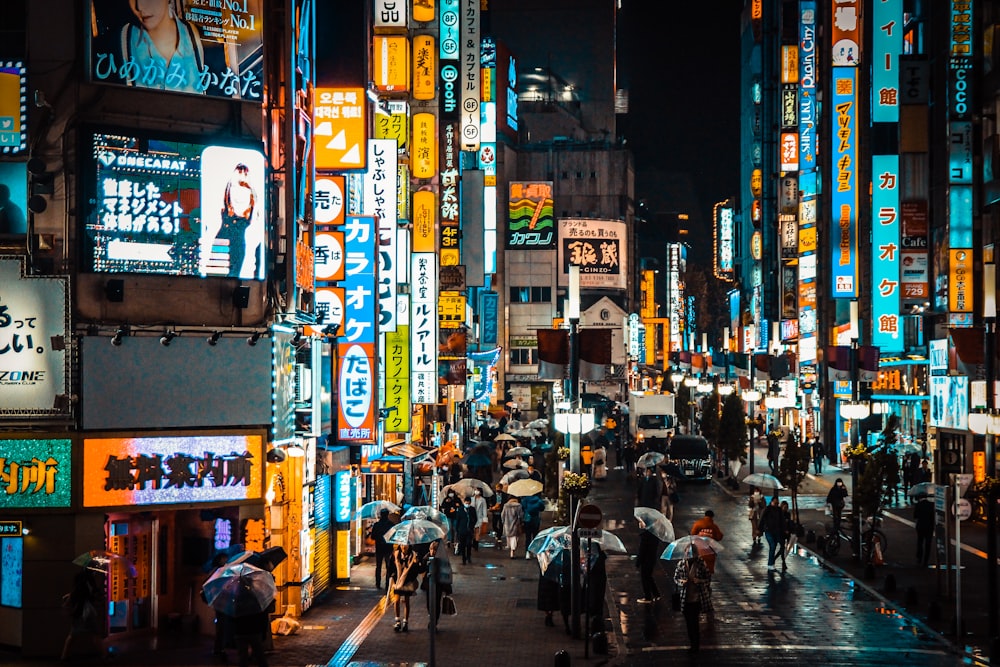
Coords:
pixel 598 247
pixel 35 473
pixel 844 195
pixel 360 294
pixel 341 128
pixel 397 379
pixel 531 223
pixel 171 470
pixel 356 395
pixel 887 327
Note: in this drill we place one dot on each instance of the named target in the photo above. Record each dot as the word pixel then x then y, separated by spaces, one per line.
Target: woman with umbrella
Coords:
pixel 408 580
pixel 692 578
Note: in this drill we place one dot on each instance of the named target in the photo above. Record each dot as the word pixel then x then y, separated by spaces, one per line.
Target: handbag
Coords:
pixel 448 606
pixel 409 586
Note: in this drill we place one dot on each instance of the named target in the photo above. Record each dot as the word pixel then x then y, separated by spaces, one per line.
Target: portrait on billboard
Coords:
pixel 179 46
pixel 13 198
pixel 232 232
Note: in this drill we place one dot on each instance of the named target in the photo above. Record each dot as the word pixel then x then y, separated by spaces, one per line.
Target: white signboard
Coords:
pixel 470 74
pixel 599 247
pixel 423 327
pixel 33 328
pixel 380 201
pixel 390 13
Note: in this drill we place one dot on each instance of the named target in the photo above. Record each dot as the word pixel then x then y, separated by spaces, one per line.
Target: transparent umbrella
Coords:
pixel 649 460
pixel 656 523
pixel 513 476
pixel 682 547
pixel 240 589
pixel 374 508
pixel 922 489
pixel 763 481
pixel 414 531
pixel 427 513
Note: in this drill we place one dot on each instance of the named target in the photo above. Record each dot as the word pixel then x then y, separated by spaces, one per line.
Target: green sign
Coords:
pixel 35 473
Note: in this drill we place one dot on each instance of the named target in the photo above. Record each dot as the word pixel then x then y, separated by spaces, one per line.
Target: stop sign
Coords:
pixel 589 516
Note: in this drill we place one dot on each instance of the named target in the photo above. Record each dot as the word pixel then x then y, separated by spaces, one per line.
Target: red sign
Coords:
pixel 589 516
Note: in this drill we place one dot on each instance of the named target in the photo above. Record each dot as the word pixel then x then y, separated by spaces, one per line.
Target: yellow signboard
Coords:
pixel 392 122
pixel 807 239
pixel 423 11
pixel 391 63
pixel 423 153
pixel 789 64
pixel 960 283
pixel 424 212
pixel 341 128
pixel 424 67
pixel 451 307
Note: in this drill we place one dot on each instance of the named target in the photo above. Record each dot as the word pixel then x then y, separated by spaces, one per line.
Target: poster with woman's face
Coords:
pixel 181 46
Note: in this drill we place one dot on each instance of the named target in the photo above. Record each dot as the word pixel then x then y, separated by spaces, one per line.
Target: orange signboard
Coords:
pixel 424 67
pixel 391 63
pixel 789 64
pixel 960 283
pixel 423 11
pixel 423 156
pixel 341 128
pixel 424 210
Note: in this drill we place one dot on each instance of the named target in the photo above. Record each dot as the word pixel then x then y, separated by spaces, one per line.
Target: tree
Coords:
pixel 710 417
pixel 732 429
pixel 793 468
pixel 877 481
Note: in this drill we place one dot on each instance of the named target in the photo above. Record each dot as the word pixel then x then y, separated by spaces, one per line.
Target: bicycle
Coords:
pixel 874 543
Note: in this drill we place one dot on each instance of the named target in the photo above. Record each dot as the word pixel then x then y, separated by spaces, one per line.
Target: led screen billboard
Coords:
pixel 215 48
pixel 169 207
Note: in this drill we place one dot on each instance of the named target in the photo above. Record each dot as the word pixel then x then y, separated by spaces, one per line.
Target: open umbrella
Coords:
pixel 681 548
pixel 538 423
pixel 656 523
pixel 104 561
pixel 559 538
pixel 477 460
pixel 471 483
pixel 227 554
pixel 923 489
pixel 518 451
pixel 374 508
pixel 414 531
pixel 427 513
pixel 524 487
pixel 268 559
pixel 513 476
pixel 763 481
pixel 240 589
pixel 514 464
pixel 504 436
pixel 649 460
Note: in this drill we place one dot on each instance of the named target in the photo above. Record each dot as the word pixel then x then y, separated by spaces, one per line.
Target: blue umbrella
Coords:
pixel 477 460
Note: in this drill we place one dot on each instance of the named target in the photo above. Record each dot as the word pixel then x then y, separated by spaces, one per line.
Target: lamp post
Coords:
pixel 691 383
pixel 856 410
pixel 989 328
pixel 751 396
pixel 573 394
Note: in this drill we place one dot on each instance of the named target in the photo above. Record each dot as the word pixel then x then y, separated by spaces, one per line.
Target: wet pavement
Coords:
pixel 813 612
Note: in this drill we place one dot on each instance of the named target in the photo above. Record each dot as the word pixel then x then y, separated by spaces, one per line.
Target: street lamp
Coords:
pixel 989 333
pixel 676 377
pixel 751 396
pixel 860 412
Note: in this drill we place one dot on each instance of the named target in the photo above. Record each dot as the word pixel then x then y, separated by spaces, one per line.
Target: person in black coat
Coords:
pixel 646 562
pixel 383 550
pixel 565 588
pixel 596 580
pixel 837 500
pixel 650 489
pixel 549 593
pixel 465 520
pixel 250 631
pixel 923 515
pixel 772 524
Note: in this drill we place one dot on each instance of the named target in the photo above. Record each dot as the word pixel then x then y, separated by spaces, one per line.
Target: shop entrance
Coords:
pixel 130 598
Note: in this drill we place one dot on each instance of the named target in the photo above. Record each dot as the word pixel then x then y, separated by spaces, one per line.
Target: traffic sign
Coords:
pixel 963 509
pixel 589 533
pixel 589 516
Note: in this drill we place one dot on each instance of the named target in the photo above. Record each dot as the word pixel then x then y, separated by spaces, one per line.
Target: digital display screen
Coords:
pixel 11 570
pixel 175 208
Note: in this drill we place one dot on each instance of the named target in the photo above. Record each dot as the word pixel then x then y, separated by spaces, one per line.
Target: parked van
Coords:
pixel 691 454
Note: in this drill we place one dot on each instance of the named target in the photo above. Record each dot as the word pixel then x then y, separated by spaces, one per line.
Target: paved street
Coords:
pixel 810 613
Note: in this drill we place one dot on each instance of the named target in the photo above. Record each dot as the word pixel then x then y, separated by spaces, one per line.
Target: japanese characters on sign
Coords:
pixel 357 392
pixel 960 76
pixel 960 280
pixel 724 231
pixel 33 321
pixel 598 247
pixel 887 45
pixel 328 202
pixel 423 148
pixel 449 26
pixel 469 71
pixel 330 304
pixel 328 256
pixel 171 469
pixel 887 327
pixel 392 122
pixel 380 201
pixel 425 69
pixel 361 297
pixel 342 496
pixel 530 217
pixel 488 321
pixel 341 128
pixel 217 54
pixel 35 473
pixel 423 327
pixel 176 208
pixel 845 36
pixel 390 14
pixel 391 63
pixel 397 379
pixel 424 217
pixel 844 195
pixel 915 256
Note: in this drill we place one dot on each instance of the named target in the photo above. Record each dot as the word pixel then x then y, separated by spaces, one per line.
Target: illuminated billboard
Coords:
pixel 887 330
pixel 599 247
pixel 531 221
pixel 35 473
pixel 844 195
pixel 175 208
pixel 215 50
pixel 845 35
pixel 13 109
pixel 168 470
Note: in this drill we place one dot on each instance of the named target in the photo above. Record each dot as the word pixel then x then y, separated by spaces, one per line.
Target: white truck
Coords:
pixel 652 418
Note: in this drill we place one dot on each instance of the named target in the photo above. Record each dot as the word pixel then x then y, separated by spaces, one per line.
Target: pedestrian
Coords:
pixel 772 524
pixel 692 579
pixel 512 517
pixel 923 474
pixel 465 525
pixel 250 631
pixel 629 454
pixel 84 604
pixel 707 527
pixel 534 473
pixel 482 518
pixel 532 507
pixel 923 515
pixel 669 496
pixel 566 588
pixel 442 578
pixel 450 507
pixel 773 447
pixel 836 500
pixel 223 631
pixel 548 592
pixel 755 505
pixel 595 578
pixel 646 562
pixel 650 489
pixel 600 465
pixel 383 550
pixel 408 567
pixel 818 454
pixel 788 536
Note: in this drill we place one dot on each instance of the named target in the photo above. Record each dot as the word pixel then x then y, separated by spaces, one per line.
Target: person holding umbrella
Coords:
pixel 482 517
pixel 532 506
pixel 646 562
pixel 383 550
pixel 407 582
pixel 692 579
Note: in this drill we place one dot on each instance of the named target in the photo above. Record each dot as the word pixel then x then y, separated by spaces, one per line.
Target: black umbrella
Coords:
pixel 268 559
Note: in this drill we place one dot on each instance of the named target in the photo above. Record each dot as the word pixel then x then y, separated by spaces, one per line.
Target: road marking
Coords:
pixel 798 647
pixel 346 652
pixel 965 547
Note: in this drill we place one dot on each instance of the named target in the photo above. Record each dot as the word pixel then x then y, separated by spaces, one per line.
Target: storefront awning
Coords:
pixel 408 450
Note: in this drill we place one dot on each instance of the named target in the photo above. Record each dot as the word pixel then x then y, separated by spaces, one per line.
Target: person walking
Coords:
pixel 773 447
pixel 512 517
pixel 442 579
pixel 466 526
pixel 383 550
pixel 595 578
pixel 772 524
pixel 755 506
pixel 482 518
pixel 408 567
pixel 532 506
pixel 818 454
pixel 650 489
pixel 250 631
pixel 84 604
pixel 668 496
pixel 707 527
pixel 646 562
pixel 837 500
pixel 548 593
pixel 692 579
pixel 923 516
pixel 450 507
pixel 788 536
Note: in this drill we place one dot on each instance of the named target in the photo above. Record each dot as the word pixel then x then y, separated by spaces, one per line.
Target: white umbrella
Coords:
pixel 681 548
pixel 656 523
pixel 504 436
pixel 538 423
pixel 524 487
pixel 513 476
pixel 763 481
pixel 414 531
pixel 518 451
pixel 922 489
pixel 374 508
pixel 649 460
pixel 474 484
pixel 514 464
